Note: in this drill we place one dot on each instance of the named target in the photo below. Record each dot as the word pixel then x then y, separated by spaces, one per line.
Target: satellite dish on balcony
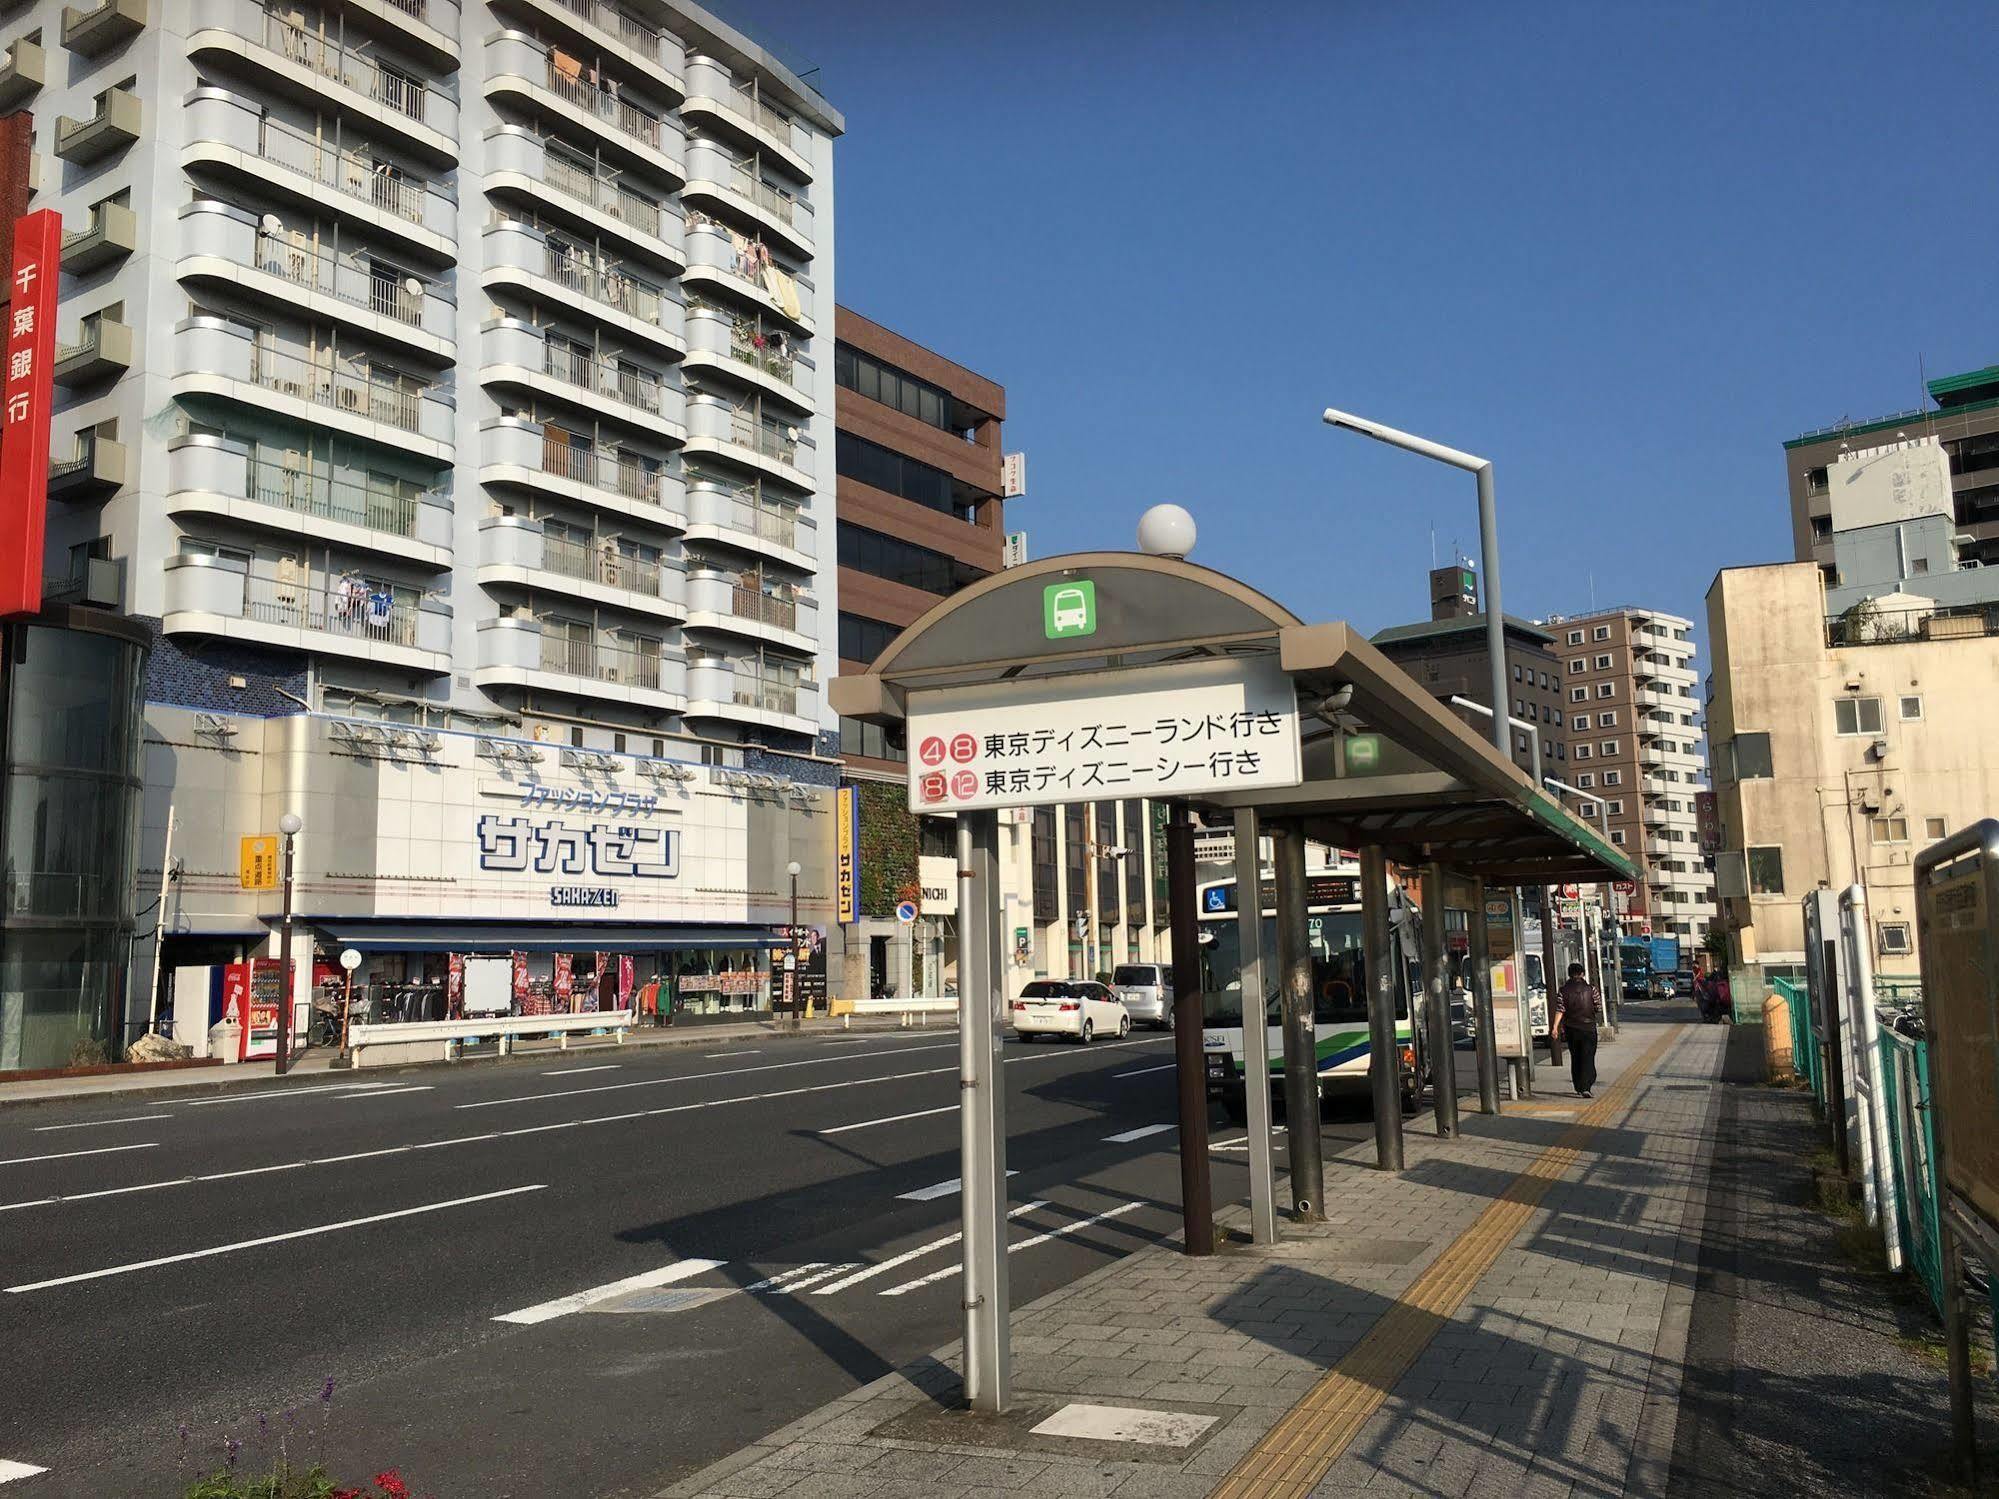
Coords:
pixel 273 224
pixel 413 286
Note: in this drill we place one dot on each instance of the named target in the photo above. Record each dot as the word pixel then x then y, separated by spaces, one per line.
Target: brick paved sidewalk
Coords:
pixel 1509 1313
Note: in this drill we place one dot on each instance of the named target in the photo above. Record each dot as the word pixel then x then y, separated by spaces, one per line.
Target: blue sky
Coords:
pixel 1624 250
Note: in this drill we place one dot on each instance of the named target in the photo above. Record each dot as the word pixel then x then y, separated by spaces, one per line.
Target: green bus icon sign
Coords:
pixel 1069 609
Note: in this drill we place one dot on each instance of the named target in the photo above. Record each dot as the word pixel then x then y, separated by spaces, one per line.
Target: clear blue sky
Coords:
pixel 1624 250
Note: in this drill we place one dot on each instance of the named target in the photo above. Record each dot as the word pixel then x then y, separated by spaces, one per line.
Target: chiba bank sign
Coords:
pixel 25 401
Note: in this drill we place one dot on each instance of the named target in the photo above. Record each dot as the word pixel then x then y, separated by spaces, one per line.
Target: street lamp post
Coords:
pixel 288 827
pixel 794 869
pixel 1488 540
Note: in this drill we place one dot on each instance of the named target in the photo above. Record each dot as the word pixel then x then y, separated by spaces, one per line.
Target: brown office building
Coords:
pixel 1965 421
pixel 918 507
pixel 1635 740
pixel 1447 656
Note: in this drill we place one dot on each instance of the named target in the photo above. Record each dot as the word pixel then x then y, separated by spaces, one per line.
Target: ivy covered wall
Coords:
pixel 889 845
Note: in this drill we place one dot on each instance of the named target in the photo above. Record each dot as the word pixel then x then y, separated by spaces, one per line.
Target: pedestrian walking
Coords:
pixel 1578 1013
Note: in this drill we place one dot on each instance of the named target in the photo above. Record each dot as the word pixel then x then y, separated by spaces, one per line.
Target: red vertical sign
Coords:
pixel 26 399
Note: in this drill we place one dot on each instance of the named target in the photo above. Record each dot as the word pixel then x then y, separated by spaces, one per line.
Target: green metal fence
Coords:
pixel 1905 1078
pixel 1804 1036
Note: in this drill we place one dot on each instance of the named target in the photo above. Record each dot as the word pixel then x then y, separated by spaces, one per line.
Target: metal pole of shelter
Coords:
pixel 1196 1191
pixel 1525 1065
pixel 1384 976
pixel 1550 960
pixel 982 1117
pixel 1301 1042
pixel 1436 985
pixel 1255 1034
pixel 1481 990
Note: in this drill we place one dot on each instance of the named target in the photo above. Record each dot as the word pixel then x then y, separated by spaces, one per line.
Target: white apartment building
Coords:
pixel 467 350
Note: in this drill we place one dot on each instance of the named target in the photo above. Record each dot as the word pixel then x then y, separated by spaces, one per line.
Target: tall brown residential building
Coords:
pixel 1963 417
pixel 1635 740
pixel 918 507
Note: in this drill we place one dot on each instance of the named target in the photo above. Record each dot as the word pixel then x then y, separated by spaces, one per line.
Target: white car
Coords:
pixel 1059 1007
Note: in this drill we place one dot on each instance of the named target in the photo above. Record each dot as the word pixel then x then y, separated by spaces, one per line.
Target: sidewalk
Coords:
pixel 1508 1316
pixel 313 1064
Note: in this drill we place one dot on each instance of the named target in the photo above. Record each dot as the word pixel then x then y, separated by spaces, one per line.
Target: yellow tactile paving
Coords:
pixel 1296 1452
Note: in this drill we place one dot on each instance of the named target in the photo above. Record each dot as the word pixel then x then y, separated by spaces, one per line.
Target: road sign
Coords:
pixel 905 911
pixel 260 862
pixel 1363 752
pixel 1215 725
pixel 1069 609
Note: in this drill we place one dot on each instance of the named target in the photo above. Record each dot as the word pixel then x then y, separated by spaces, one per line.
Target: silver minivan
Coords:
pixel 1147 992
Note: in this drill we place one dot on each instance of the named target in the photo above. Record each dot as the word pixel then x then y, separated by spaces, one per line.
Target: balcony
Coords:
pixel 715 427
pixel 113 127
pixel 517 353
pixel 339 505
pixel 91 31
pixel 723 687
pixel 656 55
pixel 715 98
pixel 732 345
pixel 724 515
pixel 720 601
pixel 228 131
pixel 98 466
pixel 517 552
pixel 559 273
pixel 340 393
pixel 292 268
pixel 547 656
pixel 548 460
pixel 23 73
pixel 571 96
pixel 103 350
pixel 602 204
pixel 305 611
pixel 429 28
pixel 111 233
pixel 748 275
pixel 731 188
pixel 376 96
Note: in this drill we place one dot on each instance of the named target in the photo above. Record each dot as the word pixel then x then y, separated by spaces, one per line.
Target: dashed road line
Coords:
pixel 1127 1136
pixel 69 1155
pixel 562 1306
pixel 695 1077
pixel 1141 1071
pixel 44 1129
pixel 573 1071
pixel 841 1129
pixel 939 1189
pixel 392 1092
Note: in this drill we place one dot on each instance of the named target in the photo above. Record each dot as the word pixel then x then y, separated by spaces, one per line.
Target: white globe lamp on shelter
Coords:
pixel 1166 531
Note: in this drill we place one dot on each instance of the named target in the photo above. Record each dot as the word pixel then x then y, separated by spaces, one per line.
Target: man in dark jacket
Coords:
pixel 1578 1012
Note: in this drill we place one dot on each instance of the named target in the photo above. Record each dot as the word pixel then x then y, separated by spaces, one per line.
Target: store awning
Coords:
pixel 370 935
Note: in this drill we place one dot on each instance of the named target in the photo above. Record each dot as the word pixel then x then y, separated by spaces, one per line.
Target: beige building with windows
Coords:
pixel 1840 752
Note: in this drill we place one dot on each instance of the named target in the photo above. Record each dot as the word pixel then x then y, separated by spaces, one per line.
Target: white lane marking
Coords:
pixel 391 1092
pixel 754 1051
pixel 1124 1423
pixel 910 1254
pixel 66 1155
pixel 801 1282
pixel 1138 1134
pixel 202 1103
pixel 1042 1238
pixel 562 1306
pixel 9 1470
pixel 784 1275
pixel 572 1071
pixel 43 1129
pixel 841 1129
pixel 1141 1071
pixel 297 1233
pixel 1083 1053
pixel 941 1189
pixel 695 1077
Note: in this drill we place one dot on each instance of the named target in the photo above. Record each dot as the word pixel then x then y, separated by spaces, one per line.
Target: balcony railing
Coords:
pixel 346 172
pixel 612 285
pixel 629 666
pixel 634 387
pixel 89 337
pixel 353 608
pixel 782 206
pixel 347 278
pixel 609 471
pixel 602 563
pixel 604 193
pixel 569 85
pixel 746 601
pixel 777 524
pixel 772 442
pixel 743 99
pixel 1866 625
pixel 769 696
pixel 396 400
pixel 317 493
pixel 394 91
pixel 628 28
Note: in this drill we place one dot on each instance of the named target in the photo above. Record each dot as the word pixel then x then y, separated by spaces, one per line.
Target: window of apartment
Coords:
pixel 899 561
pixel 1576 665
pixel 1608 747
pixel 1519 672
pixel 1617 808
pixel 878 381
pixel 1617 836
pixel 1579 694
pixel 1603 663
pixel 1561 752
pixel 1558 718
pixel 1746 757
pixel 1586 810
pixel 1912 709
pixel 1585 781
pixel 874 465
pixel 1607 720
pixel 1520 742
pixel 1582 752
pixel 1613 778
pixel 1546 680
pixel 1606 689
pixel 862 639
pixel 1857 715
pixel 1601 632
pixel 1575 637
pixel 1888 830
pixel 1766 870
pixel 1894 939
pixel 1933 828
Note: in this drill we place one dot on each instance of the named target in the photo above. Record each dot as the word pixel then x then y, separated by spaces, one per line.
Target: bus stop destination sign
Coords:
pixel 1159 731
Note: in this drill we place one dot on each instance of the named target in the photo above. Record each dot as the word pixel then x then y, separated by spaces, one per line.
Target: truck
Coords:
pixel 1665 955
pixel 1634 962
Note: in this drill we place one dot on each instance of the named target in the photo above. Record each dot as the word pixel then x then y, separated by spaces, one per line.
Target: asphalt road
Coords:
pixel 447 1246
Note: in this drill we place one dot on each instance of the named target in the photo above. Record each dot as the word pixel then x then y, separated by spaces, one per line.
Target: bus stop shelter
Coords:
pixel 1108 675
